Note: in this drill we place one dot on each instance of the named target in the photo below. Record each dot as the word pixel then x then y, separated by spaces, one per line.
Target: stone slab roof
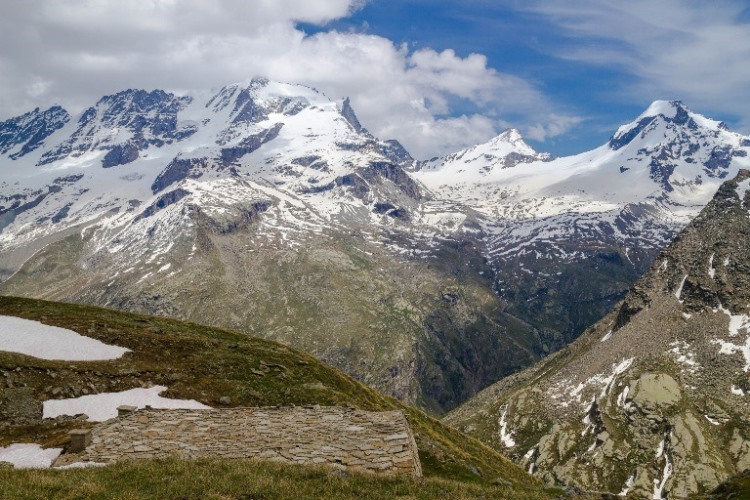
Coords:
pixel 380 442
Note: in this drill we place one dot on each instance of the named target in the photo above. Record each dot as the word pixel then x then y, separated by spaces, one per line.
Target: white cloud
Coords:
pixel 75 51
pixel 690 50
pixel 554 125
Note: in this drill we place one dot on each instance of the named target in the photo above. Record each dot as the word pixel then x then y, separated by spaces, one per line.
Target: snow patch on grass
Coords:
pixel 100 407
pixel 29 456
pixel 36 339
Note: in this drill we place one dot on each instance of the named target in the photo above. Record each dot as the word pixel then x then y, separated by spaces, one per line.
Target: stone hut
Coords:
pixel 379 442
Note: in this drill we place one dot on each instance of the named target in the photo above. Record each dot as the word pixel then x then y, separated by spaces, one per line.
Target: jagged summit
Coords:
pixel 665 115
pixel 23 134
pixel 511 141
pixel 666 108
pixel 506 150
pixel 348 112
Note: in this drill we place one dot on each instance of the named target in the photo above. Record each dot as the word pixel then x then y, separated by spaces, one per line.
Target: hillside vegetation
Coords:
pixel 211 365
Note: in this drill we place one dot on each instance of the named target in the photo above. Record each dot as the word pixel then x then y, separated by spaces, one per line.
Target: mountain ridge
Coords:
pixel 263 208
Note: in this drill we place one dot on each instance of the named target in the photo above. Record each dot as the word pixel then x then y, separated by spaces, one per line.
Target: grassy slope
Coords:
pixel 237 479
pixel 204 363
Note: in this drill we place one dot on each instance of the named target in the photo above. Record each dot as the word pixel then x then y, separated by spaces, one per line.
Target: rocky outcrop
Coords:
pixel 652 401
pixel 19 406
pixel 27 132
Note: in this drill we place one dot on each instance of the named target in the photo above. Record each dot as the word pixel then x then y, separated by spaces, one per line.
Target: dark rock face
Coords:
pixel 306 161
pixel 383 208
pixel 348 113
pixel 362 183
pixel 250 144
pixel 178 169
pixel 120 155
pixel 29 130
pixel 230 225
pixel 661 172
pixel 61 214
pixel 355 184
pixel 162 202
pixel 391 211
pixel 69 179
pixel 151 118
pixel 394 151
pixel 17 206
pixel 395 174
pixel 246 110
pixel 720 160
pixel 636 301
pixel 513 159
pixel 623 140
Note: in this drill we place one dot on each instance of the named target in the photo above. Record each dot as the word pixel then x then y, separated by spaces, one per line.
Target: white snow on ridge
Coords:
pixel 737 322
pixel 506 436
pixel 29 456
pixel 628 484
pixel 730 348
pixel 660 107
pixel 100 407
pixel 562 389
pixel 36 339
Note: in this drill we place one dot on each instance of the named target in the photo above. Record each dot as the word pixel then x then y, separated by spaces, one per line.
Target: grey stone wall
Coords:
pixel 380 442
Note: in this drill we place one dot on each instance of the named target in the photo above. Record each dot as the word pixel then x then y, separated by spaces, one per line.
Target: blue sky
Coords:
pixel 530 44
pixel 436 75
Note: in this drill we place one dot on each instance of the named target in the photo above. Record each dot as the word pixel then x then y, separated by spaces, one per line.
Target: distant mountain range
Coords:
pixel 269 208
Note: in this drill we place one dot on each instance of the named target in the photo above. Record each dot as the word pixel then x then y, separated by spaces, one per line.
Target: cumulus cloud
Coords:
pixel 74 51
pixel 691 50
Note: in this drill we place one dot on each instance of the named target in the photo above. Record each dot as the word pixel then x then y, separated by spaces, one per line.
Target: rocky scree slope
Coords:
pixel 652 400
pixel 268 208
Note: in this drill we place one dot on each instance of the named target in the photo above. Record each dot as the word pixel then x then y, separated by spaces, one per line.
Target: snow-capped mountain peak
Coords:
pixel 511 141
pixel 479 162
pixel 668 115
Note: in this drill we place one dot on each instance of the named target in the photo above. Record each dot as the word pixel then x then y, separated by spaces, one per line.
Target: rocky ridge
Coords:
pixel 652 400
